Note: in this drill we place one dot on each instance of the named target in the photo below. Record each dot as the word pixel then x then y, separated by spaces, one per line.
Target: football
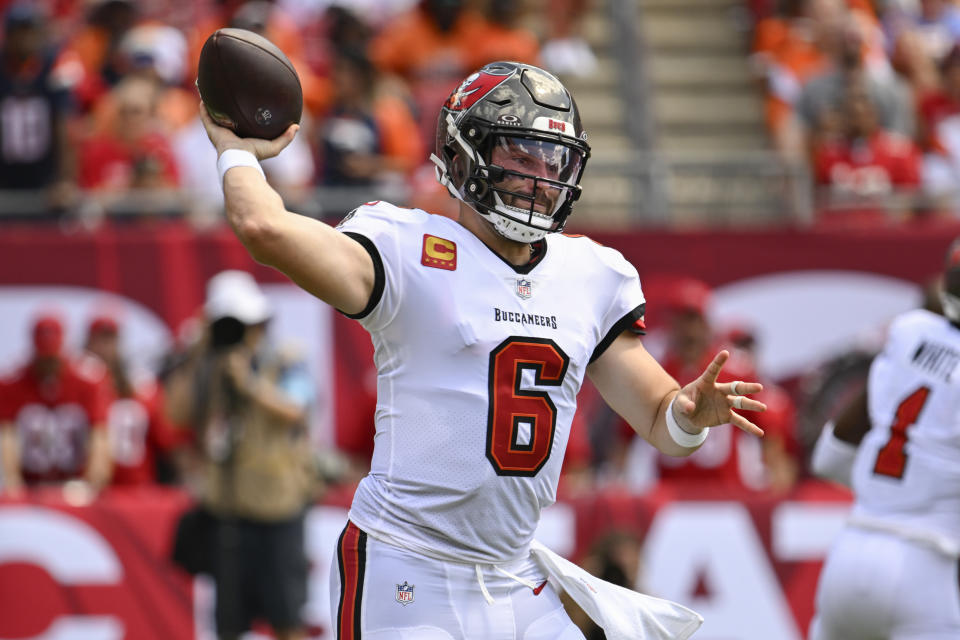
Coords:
pixel 248 84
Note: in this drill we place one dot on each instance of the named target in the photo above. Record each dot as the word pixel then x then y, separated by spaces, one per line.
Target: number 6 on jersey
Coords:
pixel 521 422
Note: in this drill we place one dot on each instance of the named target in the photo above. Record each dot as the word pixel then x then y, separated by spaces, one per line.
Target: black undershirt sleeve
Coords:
pixel 626 323
pixel 379 278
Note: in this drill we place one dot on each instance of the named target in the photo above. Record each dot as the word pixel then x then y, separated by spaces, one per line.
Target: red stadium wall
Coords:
pixel 165 265
pixel 748 563
pixel 101 572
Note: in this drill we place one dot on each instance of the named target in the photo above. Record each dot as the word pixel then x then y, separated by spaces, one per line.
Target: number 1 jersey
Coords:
pixel 478 367
pixel 907 469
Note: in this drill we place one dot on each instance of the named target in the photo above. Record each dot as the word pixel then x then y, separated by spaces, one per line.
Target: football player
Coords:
pixel 484 328
pixel 892 572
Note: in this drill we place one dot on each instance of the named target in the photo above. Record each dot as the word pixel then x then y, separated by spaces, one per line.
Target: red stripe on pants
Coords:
pixel 351 557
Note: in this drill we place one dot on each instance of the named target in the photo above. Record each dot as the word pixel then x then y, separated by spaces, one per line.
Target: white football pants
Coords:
pixel 878 586
pixel 382 592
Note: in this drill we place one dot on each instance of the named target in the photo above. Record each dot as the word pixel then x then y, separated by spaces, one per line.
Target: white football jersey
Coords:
pixel 907 469
pixel 479 364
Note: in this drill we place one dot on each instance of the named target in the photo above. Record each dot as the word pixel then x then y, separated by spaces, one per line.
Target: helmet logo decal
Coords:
pixel 549 124
pixel 509 118
pixel 472 89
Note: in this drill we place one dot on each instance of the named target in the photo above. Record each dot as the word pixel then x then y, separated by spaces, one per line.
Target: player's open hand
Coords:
pixel 707 403
pixel 223 138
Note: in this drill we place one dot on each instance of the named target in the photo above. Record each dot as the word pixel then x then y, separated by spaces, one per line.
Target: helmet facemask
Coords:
pixel 523 182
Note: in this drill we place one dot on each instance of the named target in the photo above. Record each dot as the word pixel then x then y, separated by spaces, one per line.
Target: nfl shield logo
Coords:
pixel 405 593
pixel 524 288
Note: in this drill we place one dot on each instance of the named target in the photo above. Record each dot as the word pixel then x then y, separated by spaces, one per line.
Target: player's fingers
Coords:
pixel 269 148
pixel 713 369
pixel 746 404
pixel 684 404
pixel 741 388
pixel 745 425
pixel 205 118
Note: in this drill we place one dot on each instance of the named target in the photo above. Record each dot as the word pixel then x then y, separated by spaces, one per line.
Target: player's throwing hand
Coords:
pixel 707 403
pixel 223 138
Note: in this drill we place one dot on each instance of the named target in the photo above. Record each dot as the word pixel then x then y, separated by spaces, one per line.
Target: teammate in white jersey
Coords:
pixel 893 572
pixel 484 329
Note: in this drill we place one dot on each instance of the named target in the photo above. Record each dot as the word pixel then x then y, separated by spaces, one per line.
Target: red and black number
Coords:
pixel 521 422
pixel 891 460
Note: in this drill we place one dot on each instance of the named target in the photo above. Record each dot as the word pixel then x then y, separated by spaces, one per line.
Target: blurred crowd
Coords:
pixel 98 107
pixel 226 415
pixel 867 92
pixel 88 417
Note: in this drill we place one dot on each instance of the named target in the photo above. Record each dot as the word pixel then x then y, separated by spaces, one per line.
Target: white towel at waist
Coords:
pixel 621 613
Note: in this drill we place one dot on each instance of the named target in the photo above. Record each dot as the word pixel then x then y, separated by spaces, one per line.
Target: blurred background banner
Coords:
pixel 808 294
pixel 101 572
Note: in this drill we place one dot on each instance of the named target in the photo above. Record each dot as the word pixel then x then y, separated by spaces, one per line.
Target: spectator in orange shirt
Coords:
pixel 431 47
pixel 135 153
pixel 566 51
pixel 787 52
pixel 502 38
pixel 268 20
pixel 365 136
pixel 158 53
pixel 90 61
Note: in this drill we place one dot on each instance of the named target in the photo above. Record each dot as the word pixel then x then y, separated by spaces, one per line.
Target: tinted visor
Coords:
pixel 541 158
pixel 534 176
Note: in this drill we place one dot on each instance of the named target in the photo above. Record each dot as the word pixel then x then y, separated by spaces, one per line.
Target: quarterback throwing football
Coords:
pixel 484 328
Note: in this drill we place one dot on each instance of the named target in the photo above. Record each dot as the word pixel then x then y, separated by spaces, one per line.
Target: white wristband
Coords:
pixel 681 437
pixel 237 158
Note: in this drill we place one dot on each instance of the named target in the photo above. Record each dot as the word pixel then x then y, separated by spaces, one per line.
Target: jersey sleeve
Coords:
pixel 627 305
pixel 376 227
pixel 902 331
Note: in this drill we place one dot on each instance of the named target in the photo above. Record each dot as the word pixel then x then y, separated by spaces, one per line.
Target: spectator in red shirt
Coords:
pixel 53 417
pixel 139 433
pixel 731 461
pixel 939 135
pixel 780 447
pixel 690 341
pixel 135 153
pixel 941 103
pixel 855 159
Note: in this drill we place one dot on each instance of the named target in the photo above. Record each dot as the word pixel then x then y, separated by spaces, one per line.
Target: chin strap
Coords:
pixel 443 176
pixel 526 233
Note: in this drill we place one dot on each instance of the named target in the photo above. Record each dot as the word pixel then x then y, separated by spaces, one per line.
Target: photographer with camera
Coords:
pixel 252 468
